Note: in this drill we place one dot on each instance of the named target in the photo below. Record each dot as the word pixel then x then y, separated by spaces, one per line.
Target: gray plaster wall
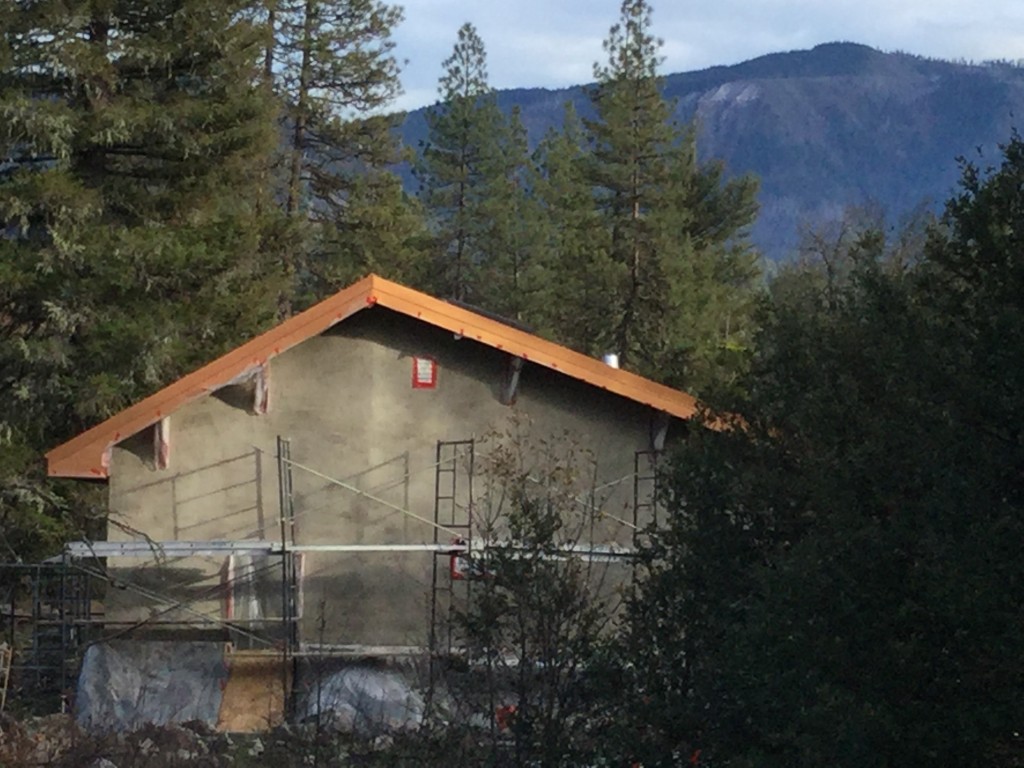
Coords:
pixel 346 403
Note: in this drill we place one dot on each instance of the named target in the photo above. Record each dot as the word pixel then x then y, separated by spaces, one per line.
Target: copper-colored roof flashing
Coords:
pixel 87 455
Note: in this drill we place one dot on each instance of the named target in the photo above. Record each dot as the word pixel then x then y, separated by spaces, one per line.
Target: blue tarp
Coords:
pixel 364 698
pixel 126 684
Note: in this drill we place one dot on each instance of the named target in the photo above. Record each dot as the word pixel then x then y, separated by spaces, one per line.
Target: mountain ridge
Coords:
pixel 837 126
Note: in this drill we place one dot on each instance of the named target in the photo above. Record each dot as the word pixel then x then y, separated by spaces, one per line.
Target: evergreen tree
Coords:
pixel 136 243
pixel 460 150
pixel 679 291
pixel 333 61
pixel 839 581
pixel 510 233
pixel 578 274
pixel 333 68
pixel 381 231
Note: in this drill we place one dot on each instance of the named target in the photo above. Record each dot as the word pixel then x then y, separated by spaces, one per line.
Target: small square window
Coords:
pixel 424 373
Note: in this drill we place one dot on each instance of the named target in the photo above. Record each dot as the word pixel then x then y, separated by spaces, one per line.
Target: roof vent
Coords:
pixel 611 359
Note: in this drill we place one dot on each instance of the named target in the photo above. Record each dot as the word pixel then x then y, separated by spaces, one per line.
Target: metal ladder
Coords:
pixel 453 498
pixel 645 491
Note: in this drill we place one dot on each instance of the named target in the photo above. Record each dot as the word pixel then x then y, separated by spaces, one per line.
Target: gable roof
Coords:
pixel 87 455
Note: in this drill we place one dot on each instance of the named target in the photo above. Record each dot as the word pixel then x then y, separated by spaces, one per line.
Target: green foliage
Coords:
pixel 512 275
pixel 381 231
pixel 333 69
pixel 611 237
pixel 331 63
pixel 839 585
pixel 679 277
pixel 136 235
pixel 462 157
pixel 536 615
pixel 574 251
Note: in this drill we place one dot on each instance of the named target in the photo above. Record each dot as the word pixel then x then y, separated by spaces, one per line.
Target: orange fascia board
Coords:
pixel 534 349
pixel 88 454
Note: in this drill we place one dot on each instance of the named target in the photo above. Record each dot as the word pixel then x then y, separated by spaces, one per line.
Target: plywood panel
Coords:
pixel 254 694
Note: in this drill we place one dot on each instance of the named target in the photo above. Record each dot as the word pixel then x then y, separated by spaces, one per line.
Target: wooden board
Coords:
pixel 6 655
pixel 254 693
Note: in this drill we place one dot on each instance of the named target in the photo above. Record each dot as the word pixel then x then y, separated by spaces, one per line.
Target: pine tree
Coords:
pixel 510 232
pixel 333 67
pixel 577 273
pixel 333 62
pixel 476 179
pixel 682 275
pixel 380 231
pixel 136 242
pixel 459 151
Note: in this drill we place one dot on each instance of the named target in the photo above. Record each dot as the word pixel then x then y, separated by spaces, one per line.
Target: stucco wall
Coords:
pixel 346 403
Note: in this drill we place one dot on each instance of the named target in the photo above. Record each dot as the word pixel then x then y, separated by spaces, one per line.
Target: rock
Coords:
pixel 257 748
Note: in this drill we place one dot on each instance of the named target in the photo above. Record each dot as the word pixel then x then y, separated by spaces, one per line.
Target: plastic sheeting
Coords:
pixel 364 699
pixel 125 684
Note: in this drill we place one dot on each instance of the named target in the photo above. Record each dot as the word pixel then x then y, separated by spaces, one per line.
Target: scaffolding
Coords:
pixel 453 513
pixel 47 613
pixel 222 589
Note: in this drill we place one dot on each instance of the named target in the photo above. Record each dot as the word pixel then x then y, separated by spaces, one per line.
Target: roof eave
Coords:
pixel 87 455
pixel 83 455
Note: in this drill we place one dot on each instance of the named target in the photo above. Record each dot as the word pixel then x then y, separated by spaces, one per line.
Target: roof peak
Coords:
pixel 87 454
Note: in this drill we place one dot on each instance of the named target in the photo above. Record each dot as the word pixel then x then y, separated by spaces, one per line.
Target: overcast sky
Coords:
pixel 554 43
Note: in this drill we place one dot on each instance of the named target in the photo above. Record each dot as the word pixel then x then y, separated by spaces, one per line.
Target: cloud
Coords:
pixel 555 43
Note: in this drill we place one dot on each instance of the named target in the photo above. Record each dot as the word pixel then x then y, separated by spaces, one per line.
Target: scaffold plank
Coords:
pixel 87 549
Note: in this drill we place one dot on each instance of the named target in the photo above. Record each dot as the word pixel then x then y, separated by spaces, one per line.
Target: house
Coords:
pixel 318 481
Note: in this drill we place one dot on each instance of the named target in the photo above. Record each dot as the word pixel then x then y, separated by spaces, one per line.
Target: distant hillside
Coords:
pixel 839 125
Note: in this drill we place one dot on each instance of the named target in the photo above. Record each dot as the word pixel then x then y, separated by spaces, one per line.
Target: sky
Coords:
pixel 555 43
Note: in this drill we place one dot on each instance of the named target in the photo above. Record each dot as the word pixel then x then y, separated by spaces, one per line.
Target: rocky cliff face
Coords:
pixel 844 125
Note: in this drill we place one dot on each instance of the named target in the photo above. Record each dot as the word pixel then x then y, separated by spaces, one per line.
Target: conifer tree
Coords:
pixel 333 68
pixel 681 276
pixel 381 230
pixel 510 237
pixel 333 62
pixel 459 151
pixel 476 180
pixel 136 243
pixel 573 249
